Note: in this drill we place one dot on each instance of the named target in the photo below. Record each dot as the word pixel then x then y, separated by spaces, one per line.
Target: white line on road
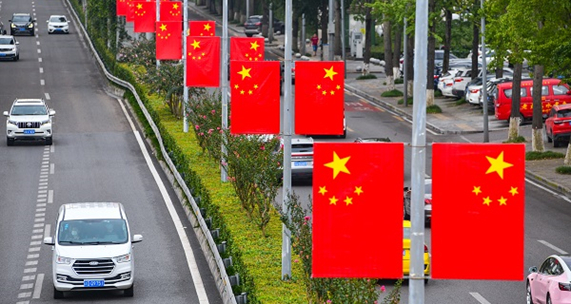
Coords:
pixel 50 196
pixel 47 230
pixel 561 251
pixel 41 70
pixel 52 168
pixel 40 59
pixel 38 286
pixel 47 96
pixel 37 43
pixel 479 298
pixel 563 197
pixel 39 51
pixel 42 82
pixel 193 267
pixel 52 148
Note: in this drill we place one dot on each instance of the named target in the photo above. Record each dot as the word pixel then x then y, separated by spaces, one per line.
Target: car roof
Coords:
pixel 20 101
pixel 302 140
pixel 6 36
pixel 92 210
pixel 21 14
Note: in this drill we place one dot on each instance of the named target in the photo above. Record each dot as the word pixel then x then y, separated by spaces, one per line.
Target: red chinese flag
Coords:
pixel 319 97
pixel 255 97
pixel 203 61
pixel 247 49
pixel 478 211
pixel 202 28
pixel 122 7
pixel 130 17
pixel 169 40
pixel 358 210
pixel 171 11
pixel 145 16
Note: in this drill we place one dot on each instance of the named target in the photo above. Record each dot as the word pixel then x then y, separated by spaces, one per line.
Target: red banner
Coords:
pixel 169 40
pixel 171 11
pixel 203 61
pixel 202 28
pixel 122 7
pixel 247 49
pixel 358 210
pixel 145 16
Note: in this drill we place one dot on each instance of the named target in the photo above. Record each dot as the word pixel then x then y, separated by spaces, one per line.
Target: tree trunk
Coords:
pixel 515 117
pixel 537 119
pixel 398 34
pixel 409 63
pixel 265 18
pixel 567 161
pixel 368 40
pixel 337 50
pixel 475 48
pixel 430 59
pixel 324 21
pixel 447 41
pixel 294 34
pixel 388 55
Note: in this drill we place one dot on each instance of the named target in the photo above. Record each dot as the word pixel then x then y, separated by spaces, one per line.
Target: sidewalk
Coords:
pixel 454 119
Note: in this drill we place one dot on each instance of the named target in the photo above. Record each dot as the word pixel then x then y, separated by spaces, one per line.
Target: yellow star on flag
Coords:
pixel 163 27
pixel 502 201
pixel 196 44
pixel 236 86
pixel 139 6
pixel 207 27
pixel 338 165
pixel 513 191
pixel 175 6
pixel 333 201
pixel 348 201
pixel 319 87
pixel 498 165
pixel 245 72
pixel 329 73
pixel 477 190
pixel 255 86
pixel 358 190
pixel 322 190
pixel 254 45
pixel 487 201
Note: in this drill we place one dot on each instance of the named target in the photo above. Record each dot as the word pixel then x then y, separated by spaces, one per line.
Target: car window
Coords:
pixel 556 268
pixel 89 231
pixel 29 110
pixel 20 19
pixel 508 92
pixel 301 148
pixel 546 267
pixel 544 91
pixel 560 90
pixel 564 113
pixel 57 19
pixel 6 41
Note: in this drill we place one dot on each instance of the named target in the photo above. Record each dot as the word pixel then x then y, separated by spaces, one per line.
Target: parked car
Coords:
pixel 427 201
pixel 558 124
pixel 448 81
pixel 278 25
pixel 372 139
pixel 492 92
pixel 551 283
pixel 9 49
pixel 22 23
pixel 473 88
pixel 58 24
pixel 92 249
pixel 253 26
pixel 407 232
pixel 553 92
pixel 29 119
pixel 439 57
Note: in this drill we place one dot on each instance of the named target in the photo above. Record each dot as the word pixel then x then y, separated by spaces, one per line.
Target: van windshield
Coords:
pixel 92 232
pixel 508 92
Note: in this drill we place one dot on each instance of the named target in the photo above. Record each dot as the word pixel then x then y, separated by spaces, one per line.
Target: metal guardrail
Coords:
pixel 224 288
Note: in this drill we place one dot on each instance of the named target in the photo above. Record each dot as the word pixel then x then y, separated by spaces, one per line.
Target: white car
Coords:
pixel 58 24
pixel 9 48
pixel 29 119
pixel 92 249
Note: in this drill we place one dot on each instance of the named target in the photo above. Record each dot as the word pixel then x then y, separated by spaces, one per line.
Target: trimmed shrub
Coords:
pixel 563 170
pixel 392 93
pixel 367 76
pixel 433 109
pixel 534 155
pixel 519 139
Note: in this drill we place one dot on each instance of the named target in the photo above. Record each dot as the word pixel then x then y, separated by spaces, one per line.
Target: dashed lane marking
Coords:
pixel 479 298
pixel 47 230
pixel 50 196
pixel 47 96
pixel 52 168
pixel 41 70
pixel 42 82
pixel 40 59
pixel 561 251
pixel 38 286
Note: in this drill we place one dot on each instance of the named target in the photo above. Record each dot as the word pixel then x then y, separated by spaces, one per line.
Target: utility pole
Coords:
pixel 224 82
pixel 184 61
pixel 404 63
pixel 418 165
pixel 343 39
pixel 303 44
pixel 158 19
pixel 331 30
pixel 484 76
pixel 271 26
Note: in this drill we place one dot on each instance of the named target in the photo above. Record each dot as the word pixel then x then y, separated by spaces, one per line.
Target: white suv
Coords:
pixel 92 249
pixel 29 119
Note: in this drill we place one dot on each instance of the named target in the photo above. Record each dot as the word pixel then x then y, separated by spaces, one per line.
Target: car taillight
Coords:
pixel 426 251
pixel 435 76
pixel 458 79
pixel 449 84
pixel 258 23
pixel 474 91
pixel 564 286
pixel 428 201
pixel 558 122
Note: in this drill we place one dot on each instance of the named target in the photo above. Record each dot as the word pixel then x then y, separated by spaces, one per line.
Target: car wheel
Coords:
pixel 248 35
pixel 58 294
pixel 129 291
pixel 406 215
pixel 9 141
pixel 49 141
pixel 521 119
pixel 555 142
pixel 528 297
pixel 547 136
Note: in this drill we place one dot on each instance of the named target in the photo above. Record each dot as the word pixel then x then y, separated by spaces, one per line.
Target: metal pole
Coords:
pixel 158 19
pixel 287 131
pixel 343 38
pixel 303 44
pixel 271 26
pixel 184 61
pixel 224 82
pixel 484 76
pixel 331 30
pixel 85 13
pixel 405 74
pixel 247 9
pixel 416 280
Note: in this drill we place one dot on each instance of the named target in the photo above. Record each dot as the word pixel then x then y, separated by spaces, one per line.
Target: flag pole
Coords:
pixel 224 83
pixel 287 118
pixel 184 50
pixel 418 165
pixel 158 2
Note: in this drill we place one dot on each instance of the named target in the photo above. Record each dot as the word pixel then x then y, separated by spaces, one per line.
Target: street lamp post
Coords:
pixel 484 76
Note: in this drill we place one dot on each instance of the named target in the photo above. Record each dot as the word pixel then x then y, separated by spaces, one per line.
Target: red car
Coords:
pixel 558 124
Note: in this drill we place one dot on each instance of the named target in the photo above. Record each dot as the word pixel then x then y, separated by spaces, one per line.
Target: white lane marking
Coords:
pixel 42 82
pixel 38 286
pixel 193 267
pixel 34 249
pixel 39 224
pixel 42 191
pixel 41 200
pixel 561 251
pixel 47 96
pixel 52 148
pixel 52 168
pixel 42 195
pixel 563 197
pixel 43 187
pixel 41 205
pixel 23 302
pixel 29 277
pixel 31 263
pixel 37 230
pixel 24 295
pixel 39 51
pixel 37 220
pixel 27 286
pixel 43 179
pixel 479 298
pixel 50 196
pixel 37 43
pixel 30 270
pixel 40 209
pixel 32 256
pixel 40 59
pixel 47 230
pixel 41 70
pixel 36 237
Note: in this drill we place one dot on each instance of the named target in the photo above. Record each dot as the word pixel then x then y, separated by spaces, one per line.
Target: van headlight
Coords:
pixel 63 260
pixel 45 122
pixel 12 122
pixel 123 258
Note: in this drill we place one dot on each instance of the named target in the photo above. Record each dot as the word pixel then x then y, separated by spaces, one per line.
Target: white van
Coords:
pixel 92 249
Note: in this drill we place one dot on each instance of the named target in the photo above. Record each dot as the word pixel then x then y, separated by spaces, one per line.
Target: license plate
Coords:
pixel 93 283
pixel 22 29
pixel 300 164
pixel 29 131
pixel 2 55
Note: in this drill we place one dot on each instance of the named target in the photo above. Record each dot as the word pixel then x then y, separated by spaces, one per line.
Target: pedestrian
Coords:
pixel 314 41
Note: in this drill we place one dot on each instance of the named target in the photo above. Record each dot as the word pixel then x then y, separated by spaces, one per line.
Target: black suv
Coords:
pixel 22 23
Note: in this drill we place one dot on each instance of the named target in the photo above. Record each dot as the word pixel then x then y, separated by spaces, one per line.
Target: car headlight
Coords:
pixel 63 260
pixel 45 122
pixel 31 25
pixel 13 122
pixel 12 25
pixel 123 258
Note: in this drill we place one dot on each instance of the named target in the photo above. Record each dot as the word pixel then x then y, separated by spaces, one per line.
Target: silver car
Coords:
pixel 9 48
pixel 29 119
pixel 427 201
pixel 58 24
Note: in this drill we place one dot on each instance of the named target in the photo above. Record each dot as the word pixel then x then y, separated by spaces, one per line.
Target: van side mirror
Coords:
pixel 52 112
pixel 49 240
pixel 6 113
pixel 137 238
pixel 532 269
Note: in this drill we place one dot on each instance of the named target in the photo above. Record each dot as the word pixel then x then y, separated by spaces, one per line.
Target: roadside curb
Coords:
pixel 548 183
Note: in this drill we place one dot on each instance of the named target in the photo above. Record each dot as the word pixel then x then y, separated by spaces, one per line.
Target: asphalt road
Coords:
pixel 96 156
